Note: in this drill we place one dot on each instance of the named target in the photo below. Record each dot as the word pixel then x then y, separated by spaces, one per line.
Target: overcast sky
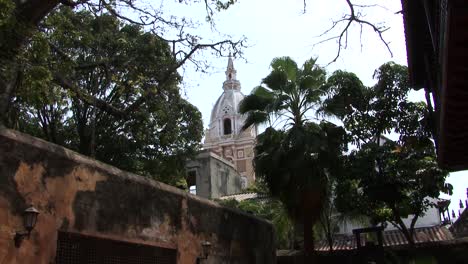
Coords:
pixel 276 28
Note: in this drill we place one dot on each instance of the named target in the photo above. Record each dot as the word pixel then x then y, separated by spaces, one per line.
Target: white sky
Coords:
pixel 279 28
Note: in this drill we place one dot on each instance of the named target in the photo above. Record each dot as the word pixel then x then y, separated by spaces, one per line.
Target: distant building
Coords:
pixel 224 135
pixel 432 217
pixel 227 155
pixel 211 176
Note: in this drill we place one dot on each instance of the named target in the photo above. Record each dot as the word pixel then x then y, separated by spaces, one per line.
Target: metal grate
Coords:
pixel 79 249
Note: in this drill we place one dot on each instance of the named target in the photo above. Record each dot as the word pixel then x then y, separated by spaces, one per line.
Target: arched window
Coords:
pixel 227 126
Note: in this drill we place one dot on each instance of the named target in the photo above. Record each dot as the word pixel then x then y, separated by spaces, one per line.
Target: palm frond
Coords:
pixel 309 65
pixel 286 65
pixel 276 80
pixel 256 101
pixel 254 118
pixel 262 92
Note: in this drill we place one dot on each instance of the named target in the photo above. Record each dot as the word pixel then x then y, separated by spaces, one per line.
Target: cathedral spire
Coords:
pixel 231 82
pixel 230 70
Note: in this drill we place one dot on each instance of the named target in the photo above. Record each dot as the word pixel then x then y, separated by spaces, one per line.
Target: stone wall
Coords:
pixel 79 195
pixel 216 177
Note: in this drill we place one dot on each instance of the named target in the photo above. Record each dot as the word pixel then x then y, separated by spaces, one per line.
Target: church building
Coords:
pixel 224 135
pixel 225 165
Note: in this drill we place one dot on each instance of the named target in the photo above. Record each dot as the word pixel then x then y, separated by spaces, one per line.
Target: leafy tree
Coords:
pixel 295 160
pixel 327 224
pixel 331 218
pixel 117 64
pixel 19 21
pixel 383 179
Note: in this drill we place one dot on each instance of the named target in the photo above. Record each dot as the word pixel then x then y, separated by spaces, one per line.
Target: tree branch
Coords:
pixel 7 89
pixel 73 4
pixel 348 20
pixel 147 17
pixel 85 97
pixel 217 47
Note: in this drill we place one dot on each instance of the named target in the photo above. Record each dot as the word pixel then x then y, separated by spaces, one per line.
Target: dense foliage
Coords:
pixel 306 164
pixel 21 20
pixel 118 64
pixel 383 179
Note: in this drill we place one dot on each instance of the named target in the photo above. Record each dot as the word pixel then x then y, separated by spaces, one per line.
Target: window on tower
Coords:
pixel 227 126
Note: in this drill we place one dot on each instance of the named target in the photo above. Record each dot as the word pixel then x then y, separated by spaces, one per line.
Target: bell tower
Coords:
pixel 224 136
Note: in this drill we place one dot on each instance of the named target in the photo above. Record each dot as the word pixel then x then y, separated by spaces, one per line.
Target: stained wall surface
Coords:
pixel 215 176
pixel 79 195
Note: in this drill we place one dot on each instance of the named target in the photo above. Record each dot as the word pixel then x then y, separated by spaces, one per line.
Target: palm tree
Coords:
pixel 290 92
pixel 295 159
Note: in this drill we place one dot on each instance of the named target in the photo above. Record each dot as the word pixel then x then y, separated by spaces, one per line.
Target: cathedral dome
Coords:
pixel 227 104
pixel 224 136
pixel 225 120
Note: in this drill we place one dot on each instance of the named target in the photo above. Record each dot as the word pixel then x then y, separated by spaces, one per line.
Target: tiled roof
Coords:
pixel 391 238
pixel 242 196
pixel 460 227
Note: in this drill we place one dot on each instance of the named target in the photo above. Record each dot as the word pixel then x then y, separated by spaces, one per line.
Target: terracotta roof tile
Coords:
pixel 391 238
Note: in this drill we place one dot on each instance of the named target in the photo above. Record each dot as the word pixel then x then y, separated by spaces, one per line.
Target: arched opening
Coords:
pixel 227 126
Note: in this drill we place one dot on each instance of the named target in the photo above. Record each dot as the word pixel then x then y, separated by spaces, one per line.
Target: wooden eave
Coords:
pixel 419 45
pixel 453 120
pixel 437 47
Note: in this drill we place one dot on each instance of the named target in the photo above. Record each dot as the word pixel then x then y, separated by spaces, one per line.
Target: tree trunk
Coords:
pixel 311 205
pixel 325 222
pixel 330 240
pixel 308 235
pixel 396 216
pixel 14 34
pixel 85 134
pixel 309 245
pixel 86 144
pixel 408 235
pixel 8 82
pixel 297 243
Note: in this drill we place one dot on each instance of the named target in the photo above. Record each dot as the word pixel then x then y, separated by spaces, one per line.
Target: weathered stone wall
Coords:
pixel 216 177
pixel 77 194
pixel 225 180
